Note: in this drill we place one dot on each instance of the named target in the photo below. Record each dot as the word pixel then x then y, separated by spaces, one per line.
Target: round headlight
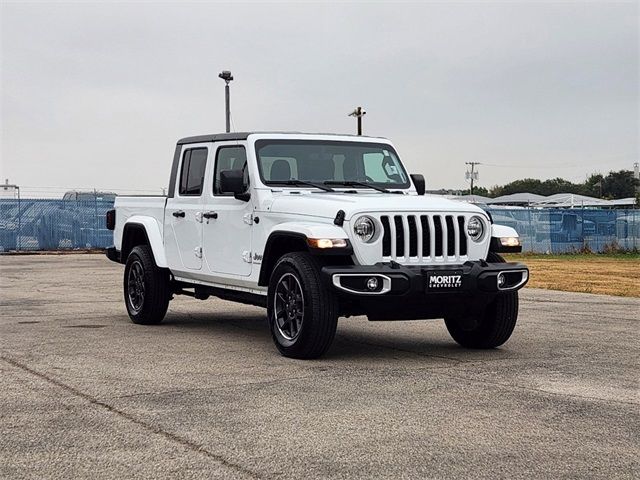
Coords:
pixel 365 229
pixel 475 228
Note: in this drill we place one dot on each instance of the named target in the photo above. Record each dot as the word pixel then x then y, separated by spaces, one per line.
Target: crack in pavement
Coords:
pixel 147 426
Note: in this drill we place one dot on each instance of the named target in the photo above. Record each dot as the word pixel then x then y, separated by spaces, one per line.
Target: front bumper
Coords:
pixel 430 291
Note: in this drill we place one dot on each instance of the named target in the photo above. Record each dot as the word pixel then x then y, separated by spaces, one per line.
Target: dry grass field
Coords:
pixel 585 273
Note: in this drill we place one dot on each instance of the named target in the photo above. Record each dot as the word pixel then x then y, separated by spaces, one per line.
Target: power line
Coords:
pixel 472 175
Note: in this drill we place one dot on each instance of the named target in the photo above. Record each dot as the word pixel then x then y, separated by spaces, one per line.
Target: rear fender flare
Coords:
pixel 153 233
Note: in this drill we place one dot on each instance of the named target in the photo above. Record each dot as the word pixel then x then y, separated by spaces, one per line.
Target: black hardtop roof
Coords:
pixel 220 137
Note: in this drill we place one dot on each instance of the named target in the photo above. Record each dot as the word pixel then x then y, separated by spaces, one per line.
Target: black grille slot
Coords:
pixel 426 236
pixel 451 236
pixel 413 236
pixel 463 236
pixel 437 227
pixel 399 235
pixel 386 237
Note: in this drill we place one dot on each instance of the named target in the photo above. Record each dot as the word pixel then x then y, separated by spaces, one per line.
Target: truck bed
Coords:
pixel 130 206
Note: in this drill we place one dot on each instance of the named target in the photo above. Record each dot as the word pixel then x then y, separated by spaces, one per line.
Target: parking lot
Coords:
pixel 86 393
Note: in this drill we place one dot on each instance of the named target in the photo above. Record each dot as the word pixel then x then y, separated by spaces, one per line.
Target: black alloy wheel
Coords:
pixel 135 286
pixel 288 301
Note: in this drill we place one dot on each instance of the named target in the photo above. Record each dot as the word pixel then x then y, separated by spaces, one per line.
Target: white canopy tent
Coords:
pixel 516 199
pixel 470 198
pixel 572 200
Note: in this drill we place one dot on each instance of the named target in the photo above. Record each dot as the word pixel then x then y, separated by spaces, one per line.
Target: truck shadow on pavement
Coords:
pixel 383 342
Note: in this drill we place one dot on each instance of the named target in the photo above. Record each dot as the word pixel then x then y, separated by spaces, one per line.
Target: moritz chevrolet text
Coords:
pixel 314 227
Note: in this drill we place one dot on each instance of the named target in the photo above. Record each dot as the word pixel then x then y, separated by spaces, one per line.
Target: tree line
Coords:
pixel 614 185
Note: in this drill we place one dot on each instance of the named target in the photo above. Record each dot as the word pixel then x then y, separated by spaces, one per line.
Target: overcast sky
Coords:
pixel 96 94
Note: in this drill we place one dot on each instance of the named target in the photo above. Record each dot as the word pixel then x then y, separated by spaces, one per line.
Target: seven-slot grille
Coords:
pixel 418 237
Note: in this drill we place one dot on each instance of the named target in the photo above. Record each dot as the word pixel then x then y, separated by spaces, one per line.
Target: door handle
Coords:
pixel 209 215
pixel 178 213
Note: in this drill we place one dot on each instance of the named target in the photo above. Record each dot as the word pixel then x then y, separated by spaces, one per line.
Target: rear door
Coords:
pixel 183 213
pixel 227 231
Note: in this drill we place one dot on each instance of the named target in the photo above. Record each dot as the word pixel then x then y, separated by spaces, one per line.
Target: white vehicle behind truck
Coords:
pixel 314 227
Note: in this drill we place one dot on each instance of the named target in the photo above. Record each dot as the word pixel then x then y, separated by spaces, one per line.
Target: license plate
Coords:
pixel 444 280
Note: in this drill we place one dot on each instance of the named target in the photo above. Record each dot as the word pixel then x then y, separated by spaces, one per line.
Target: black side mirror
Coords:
pixel 232 181
pixel 418 182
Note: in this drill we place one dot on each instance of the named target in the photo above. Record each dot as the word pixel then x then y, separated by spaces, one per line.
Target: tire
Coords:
pixel 146 287
pixel 492 327
pixel 307 309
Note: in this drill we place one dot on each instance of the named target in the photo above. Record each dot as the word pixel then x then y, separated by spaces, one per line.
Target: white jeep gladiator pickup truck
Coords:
pixel 314 227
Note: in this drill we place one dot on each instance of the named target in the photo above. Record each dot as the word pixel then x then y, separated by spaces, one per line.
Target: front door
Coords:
pixel 227 230
pixel 183 213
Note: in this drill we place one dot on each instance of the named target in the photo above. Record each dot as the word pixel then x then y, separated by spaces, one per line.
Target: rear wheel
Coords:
pixel 492 327
pixel 146 287
pixel 302 311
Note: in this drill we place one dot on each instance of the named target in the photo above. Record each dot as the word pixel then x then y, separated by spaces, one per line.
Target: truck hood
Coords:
pixel 327 204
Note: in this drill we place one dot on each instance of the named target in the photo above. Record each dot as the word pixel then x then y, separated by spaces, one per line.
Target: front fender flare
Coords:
pixel 310 230
pixel 295 234
pixel 502 231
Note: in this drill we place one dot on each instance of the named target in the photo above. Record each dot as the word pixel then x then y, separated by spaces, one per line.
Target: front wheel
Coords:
pixel 302 311
pixel 490 328
pixel 146 287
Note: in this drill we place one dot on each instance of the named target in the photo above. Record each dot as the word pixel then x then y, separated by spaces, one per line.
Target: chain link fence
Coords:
pixel 556 230
pixel 45 224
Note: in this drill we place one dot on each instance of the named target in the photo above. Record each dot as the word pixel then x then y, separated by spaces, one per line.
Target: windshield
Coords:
pixel 334 162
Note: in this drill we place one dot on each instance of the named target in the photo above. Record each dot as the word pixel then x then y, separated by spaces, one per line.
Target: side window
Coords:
pixel 229 158
pixel 382 168
pixel 194 164
pixel 373 167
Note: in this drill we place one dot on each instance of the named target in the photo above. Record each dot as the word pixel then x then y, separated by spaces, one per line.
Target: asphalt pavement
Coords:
pixel 84 393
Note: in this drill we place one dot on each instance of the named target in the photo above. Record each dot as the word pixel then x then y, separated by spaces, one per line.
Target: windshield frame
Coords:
pixel 259 143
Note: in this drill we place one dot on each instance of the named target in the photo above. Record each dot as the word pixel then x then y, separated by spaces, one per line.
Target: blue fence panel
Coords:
pixel 45 224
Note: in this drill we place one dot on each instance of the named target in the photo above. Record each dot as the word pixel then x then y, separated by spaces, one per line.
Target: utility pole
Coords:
pixel 227 77
pixel 472 175
pixel 358 113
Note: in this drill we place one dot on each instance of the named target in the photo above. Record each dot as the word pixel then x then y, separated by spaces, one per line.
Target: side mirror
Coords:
pixel 418 182
pixel 232 181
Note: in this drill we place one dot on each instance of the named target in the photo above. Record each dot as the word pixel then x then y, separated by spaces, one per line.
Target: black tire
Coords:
pixel 492 327
pixel 151 307
pixel 316 328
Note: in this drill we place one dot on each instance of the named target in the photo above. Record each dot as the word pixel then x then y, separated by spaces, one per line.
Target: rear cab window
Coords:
pixel 192 171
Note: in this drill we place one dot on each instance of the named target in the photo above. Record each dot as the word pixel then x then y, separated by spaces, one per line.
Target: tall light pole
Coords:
pixel 472 175
pixel 227 77
pixel 358 113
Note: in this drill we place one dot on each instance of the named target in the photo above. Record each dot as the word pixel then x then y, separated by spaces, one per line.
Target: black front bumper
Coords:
pixel 434 291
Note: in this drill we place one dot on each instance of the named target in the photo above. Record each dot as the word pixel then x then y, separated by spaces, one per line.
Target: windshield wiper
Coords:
pixel 354 183
pixel 310 184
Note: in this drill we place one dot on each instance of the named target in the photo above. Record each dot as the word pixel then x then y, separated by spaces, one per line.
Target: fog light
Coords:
pixel 500 280
pixel 372 283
